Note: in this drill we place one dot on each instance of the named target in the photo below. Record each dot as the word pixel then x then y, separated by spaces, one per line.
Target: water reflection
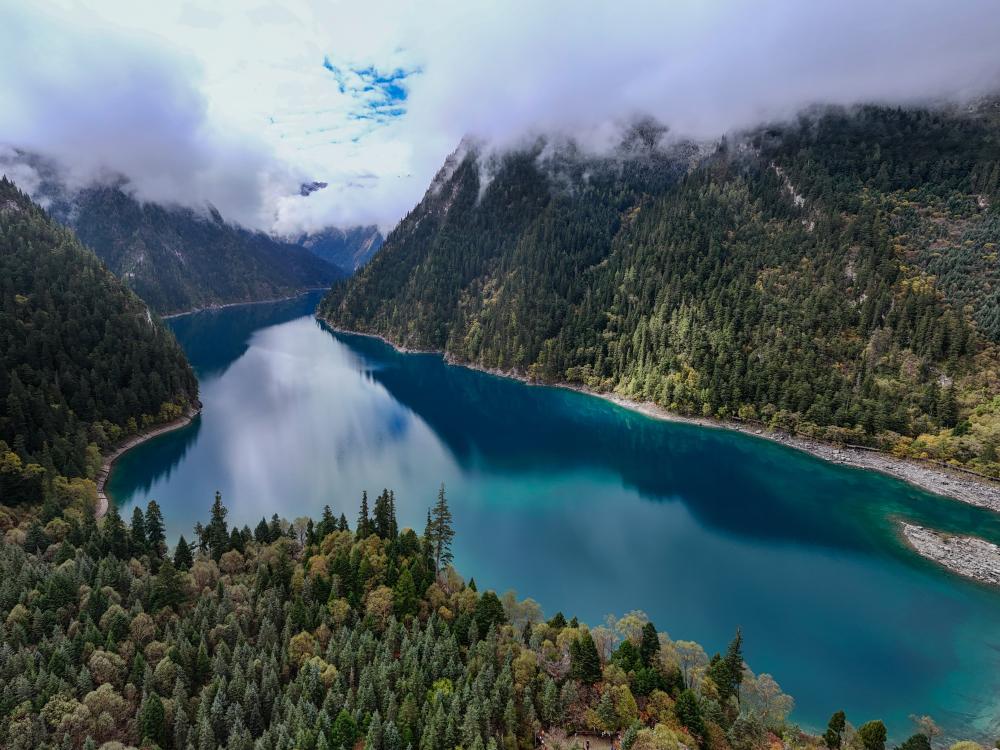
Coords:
pixel 590 509
pixel 214 339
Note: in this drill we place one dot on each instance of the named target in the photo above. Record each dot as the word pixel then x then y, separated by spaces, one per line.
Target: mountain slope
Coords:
pixel 785 277
pixel 177 259
pixel 82 361
pixel 349 249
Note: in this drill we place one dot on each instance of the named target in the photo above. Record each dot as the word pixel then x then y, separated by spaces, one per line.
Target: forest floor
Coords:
pixel 142 437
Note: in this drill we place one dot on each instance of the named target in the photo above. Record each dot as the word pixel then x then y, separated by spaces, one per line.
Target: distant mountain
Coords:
pixel 175 258
pixel 835 275
pixel 349 249
pixel 82 361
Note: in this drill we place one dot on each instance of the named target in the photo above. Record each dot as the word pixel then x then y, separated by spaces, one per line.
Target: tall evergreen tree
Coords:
pixel 364 520
pixel 442 531
pixel 155 530
pixel 182 555
pixel 217 530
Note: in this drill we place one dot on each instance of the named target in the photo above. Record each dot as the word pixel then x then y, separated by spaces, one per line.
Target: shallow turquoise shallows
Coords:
pixel 590 509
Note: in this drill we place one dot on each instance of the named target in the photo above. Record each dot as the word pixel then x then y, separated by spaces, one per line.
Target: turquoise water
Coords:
pixel 592 509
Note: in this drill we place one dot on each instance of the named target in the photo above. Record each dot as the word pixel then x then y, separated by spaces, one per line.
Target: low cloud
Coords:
pixel 237 106
pixel 103 104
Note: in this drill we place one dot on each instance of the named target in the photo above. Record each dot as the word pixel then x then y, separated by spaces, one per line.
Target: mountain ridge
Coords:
pixel 781 277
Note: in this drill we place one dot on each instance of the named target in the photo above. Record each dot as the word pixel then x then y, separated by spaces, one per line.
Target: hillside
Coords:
pixel 177 259
pixel 82 361
pixel 834 275
pixel 349 249
pixel 314 635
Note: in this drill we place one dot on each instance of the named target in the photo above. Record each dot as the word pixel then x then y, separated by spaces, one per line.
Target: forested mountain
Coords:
pixel 314 636
pixel 177 259
pixel 835 275
pixel 349 249
pixel 82 361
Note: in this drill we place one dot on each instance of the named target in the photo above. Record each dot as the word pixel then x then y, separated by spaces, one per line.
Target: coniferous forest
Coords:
pixel 794 276
pixel 84 363
pixel 833 276
pixel 326 634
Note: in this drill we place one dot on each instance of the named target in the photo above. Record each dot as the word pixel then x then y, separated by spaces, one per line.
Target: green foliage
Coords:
pixel 688 712
pixel 918 741
pixel 82 362
pixel 295 648
pixel 585 662
pixel 872 735
pixel 817 276
pixel 177 259
pixel 833 737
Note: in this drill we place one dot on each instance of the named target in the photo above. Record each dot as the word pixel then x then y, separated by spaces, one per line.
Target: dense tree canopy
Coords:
pixel 832 276
pixel 176 258
pixel 82 361
pixel 313 636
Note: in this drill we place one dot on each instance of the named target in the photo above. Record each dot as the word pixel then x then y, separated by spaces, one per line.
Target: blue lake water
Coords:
pixel 592 509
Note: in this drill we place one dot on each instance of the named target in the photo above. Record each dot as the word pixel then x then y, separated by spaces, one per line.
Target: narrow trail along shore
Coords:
pixel 142 437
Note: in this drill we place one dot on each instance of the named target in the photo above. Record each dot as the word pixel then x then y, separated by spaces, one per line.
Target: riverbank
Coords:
pixel 226 305
pixel 967 488
pixel 967 556
pixel 109 460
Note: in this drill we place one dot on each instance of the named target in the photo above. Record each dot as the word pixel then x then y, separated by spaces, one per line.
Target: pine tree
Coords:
pixel 152 720
pixel 137 536
pixel 688 712
pixel 442 531
pixel 262 534
pixel 872 735
pixel 217 530
pixel 649 647
pixel 364 522
pixel 182 555
pixel 168 587
pixel 155 530
pixel 585 663
pixel 405 599
pixel 833 736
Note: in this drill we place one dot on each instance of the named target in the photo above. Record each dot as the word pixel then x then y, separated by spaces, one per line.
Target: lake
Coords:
pixel 591 509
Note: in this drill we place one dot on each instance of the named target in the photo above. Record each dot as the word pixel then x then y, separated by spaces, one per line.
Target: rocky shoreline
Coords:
pixel 967 556
pixel 109 460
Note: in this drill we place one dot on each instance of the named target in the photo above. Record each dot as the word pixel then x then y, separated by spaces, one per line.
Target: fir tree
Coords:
pixel 152 720
pixel 155 530
pixel 217 530
pixel 442 532
pixel 182 555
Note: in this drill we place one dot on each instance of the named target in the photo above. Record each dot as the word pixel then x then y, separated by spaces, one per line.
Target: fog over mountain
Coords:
pixel 238 107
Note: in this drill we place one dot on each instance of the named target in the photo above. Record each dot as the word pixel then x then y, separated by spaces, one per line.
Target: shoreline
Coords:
pixel 966 556
pixel 939 480
pixel 109 460
pixel 227 305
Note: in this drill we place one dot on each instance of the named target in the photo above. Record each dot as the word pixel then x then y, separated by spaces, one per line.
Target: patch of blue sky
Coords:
pixel 379 95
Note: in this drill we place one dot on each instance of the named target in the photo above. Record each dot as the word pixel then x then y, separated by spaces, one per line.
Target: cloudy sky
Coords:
pixel 236 102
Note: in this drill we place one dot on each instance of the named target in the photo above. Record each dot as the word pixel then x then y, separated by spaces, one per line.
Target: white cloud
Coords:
pixel 230 103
